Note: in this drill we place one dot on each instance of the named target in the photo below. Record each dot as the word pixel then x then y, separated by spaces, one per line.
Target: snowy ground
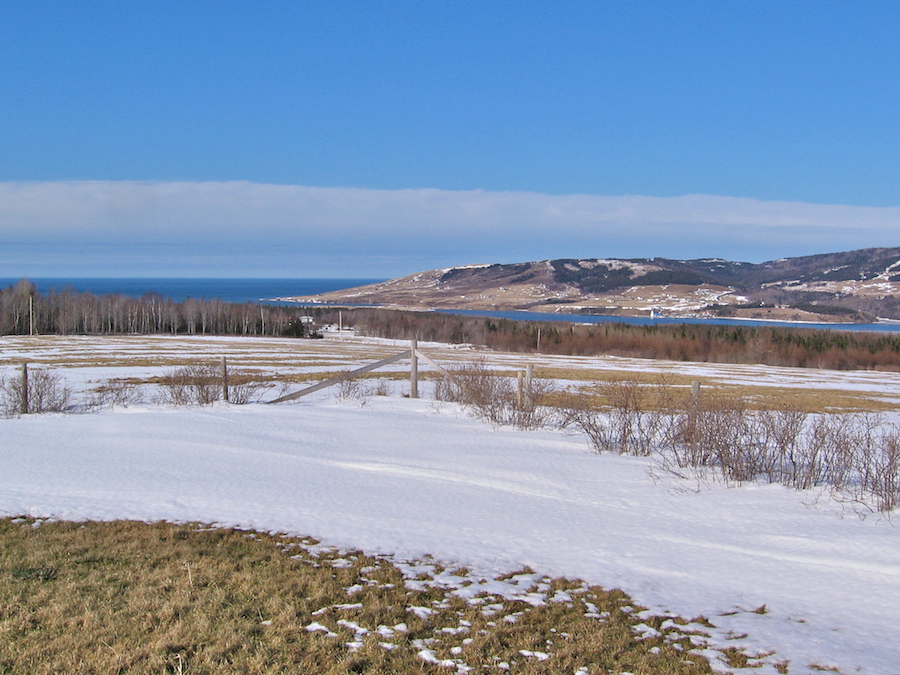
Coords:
pixel 408 478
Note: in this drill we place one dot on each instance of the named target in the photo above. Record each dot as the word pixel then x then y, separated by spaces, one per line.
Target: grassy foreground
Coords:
pixel 128 597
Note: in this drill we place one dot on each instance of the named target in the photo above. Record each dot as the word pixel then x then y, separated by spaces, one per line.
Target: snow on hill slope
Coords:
pixel 401 477
pixel 861 284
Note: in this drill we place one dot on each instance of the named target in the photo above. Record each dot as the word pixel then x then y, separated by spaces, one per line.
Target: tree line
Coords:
pixel 23 311
pixel 772 345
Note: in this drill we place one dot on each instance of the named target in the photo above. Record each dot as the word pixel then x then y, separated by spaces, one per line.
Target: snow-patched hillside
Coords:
pixel 403 477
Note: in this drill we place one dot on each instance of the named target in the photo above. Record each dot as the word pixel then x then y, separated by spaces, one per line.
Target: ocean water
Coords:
pixel 227 290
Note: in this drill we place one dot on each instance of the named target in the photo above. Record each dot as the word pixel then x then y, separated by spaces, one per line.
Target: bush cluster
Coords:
pixel 494 398
pixel 857 455
pixel 44 392
pixel 203 384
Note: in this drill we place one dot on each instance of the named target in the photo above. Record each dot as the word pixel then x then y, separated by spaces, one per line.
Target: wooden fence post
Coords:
pixel 413 369
pixel 225 379
pixel 520 393
pixel 24 401
pixel 529 394
pixel 695 391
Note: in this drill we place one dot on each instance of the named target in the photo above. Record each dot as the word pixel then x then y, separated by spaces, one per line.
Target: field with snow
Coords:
pixel 787 576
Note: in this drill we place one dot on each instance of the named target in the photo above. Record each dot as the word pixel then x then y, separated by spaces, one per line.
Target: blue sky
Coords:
pixel 173 138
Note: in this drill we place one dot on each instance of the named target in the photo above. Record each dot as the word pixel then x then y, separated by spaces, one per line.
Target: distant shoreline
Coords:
pixel 881 326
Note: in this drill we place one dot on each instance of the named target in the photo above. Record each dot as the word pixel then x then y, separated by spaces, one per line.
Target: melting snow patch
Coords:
pixel 352 625
pixel 421 612
pixel 645 632
pixel 429 656
pixel 453 631
pixel 561 596
pixel 316 626
pixel 540 656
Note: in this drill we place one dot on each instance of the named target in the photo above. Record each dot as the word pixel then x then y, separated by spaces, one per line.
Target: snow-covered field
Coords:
pixel 410 478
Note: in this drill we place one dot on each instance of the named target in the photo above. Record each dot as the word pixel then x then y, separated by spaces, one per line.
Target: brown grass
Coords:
pixel 756 397
pixel 128 597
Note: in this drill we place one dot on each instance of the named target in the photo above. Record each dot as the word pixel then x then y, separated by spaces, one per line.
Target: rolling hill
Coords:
pixel 854 286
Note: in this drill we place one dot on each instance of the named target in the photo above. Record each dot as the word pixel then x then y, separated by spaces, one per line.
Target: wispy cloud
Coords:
pixel 242 228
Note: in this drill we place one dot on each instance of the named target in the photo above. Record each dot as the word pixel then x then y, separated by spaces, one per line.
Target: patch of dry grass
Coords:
pixel 162 598
pixel 757 397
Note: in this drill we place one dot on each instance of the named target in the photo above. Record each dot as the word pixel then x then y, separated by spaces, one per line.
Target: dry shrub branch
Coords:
pixel 42 391
pixel 202 384
pixel 856 455
pixel 353 389
pixel 623 416
pixel 495 398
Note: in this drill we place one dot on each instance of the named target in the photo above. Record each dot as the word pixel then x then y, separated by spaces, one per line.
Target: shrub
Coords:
pixel 352 389
pixel 195 384
pixel 243 388
pixel 202 385
pixel 115 392
pixel 491 397
pixel 856 455
pixel 624 416
pixel 46 392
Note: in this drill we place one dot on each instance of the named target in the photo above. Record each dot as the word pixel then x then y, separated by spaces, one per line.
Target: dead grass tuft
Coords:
pixel 164 598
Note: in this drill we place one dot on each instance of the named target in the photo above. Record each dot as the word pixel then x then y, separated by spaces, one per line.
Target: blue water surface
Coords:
pixel 227 290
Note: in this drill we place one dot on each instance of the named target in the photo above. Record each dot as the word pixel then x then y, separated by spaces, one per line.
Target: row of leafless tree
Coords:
pixel 24 311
